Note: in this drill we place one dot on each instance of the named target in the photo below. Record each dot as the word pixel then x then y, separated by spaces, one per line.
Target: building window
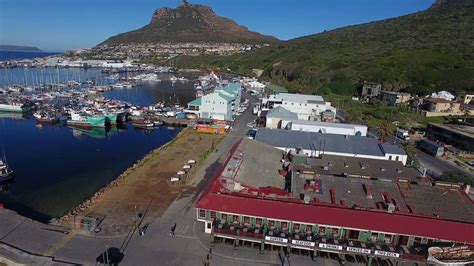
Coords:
pixel 322 230
pixel 246 220
pixel 388 239
pixel 284 226
pixel 417 241
pixel 335 232
pixel 292 103
pixel 202 213
pixel 296 227
pixel 213 215
pixel 258 221
pixel 396 158
pixel 271 224
pixel 235 219
pixel 403 240
pixel 373 237
pixel 224 217
pixel 309 228
pixel 354 234
pixel 390 157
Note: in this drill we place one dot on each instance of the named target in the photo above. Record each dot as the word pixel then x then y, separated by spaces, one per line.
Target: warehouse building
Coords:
pixel 315 144
pixel 307 107
pixel 298 207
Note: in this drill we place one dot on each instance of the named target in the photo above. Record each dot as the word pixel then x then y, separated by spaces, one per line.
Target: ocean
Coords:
pixel 58 167
pixel 10 55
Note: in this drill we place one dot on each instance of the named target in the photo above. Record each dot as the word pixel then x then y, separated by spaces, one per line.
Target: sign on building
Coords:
pixel 387 254
pixel 276 239
pixel 330 246
pixel 303 243
pixel 359 250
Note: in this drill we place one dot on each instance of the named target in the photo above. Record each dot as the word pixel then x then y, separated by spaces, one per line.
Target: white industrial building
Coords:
pixel 281 118
pixel 315 144
pixel 307 107
pixel 218 105
pixel 327 128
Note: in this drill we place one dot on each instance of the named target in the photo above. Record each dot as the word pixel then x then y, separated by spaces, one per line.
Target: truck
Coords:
pixel 430 147
pixel 403 134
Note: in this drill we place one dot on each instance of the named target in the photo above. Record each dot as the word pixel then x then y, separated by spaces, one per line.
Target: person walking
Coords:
pixel 173 228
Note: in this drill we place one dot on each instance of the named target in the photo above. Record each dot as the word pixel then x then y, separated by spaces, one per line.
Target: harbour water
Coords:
pixel 57 167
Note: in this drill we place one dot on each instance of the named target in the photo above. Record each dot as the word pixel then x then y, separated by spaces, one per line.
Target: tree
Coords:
pixel 384 129
pixel 456 177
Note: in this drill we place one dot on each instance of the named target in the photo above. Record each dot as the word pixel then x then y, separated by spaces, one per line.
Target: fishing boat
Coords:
pixel 143 124
pixel 44 118
pixel 112 118
pixel 78 120
pixel 461 255
pixel 5 172
pixel 158 123
pixel 14 107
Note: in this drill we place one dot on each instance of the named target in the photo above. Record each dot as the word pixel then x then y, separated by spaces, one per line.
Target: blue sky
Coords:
pixel 58 25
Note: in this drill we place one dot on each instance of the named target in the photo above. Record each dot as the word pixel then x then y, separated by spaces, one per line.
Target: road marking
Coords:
pixel 183 229
pixel 58 245
pixel 188 237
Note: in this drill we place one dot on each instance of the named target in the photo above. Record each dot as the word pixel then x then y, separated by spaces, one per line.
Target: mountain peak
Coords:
pixel 190 23
pixel 184 9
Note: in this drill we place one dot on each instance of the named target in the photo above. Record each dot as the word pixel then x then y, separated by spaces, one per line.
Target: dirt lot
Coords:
pixel 145 189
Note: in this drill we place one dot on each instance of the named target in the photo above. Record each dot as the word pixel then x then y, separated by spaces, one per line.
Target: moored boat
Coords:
pixel 14 107
pixel 158 123
pixel 44 118
pixel 78 120
pixel 143 124
pixel 5 172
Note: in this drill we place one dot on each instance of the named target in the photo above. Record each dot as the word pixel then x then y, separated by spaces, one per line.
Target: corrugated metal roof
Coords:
pixel 197 101
pixel 281 112
pixel 319 141
pixel 392 149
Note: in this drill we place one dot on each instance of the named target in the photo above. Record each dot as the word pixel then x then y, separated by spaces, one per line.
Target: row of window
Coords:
pixel 308 228
pixel 390 158
pixel 213 102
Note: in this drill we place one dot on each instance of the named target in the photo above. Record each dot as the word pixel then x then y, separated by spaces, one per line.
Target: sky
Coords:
pixel 60 25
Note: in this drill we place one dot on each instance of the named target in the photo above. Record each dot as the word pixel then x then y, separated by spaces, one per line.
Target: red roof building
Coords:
pixel 399 223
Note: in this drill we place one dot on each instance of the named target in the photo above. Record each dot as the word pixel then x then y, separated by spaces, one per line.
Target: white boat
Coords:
pixel 158 123
pixel 151 77
pixel 13 107
pixel 113 77
pixel 182 79
pixel 5 171
pixel 173 79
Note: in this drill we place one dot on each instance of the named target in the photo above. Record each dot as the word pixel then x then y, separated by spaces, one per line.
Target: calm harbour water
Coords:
pixel 56 167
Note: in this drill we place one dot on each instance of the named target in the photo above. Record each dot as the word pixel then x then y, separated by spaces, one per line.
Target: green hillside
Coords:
pixel 418 53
